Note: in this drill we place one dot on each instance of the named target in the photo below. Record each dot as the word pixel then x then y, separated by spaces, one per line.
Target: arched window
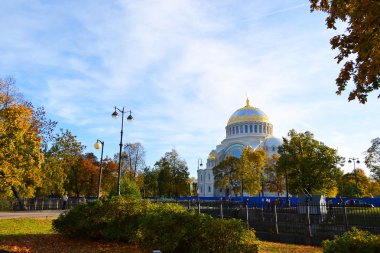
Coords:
pixel 260 128
pixel 255 128
pixel 209 189
pixel 250 128
pixel 246 128
pixel 273 148
pixel 233 130
pixel 241 129
pixel 201 178
pixel 209 177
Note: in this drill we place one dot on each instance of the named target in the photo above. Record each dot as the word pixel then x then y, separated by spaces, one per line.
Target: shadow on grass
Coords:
pixel 55 243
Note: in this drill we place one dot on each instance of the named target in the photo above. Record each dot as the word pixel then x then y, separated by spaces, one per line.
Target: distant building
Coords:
pixel 248 126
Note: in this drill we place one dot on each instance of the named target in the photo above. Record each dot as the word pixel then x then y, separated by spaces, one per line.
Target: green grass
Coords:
pixel 36 235
pixel 25 226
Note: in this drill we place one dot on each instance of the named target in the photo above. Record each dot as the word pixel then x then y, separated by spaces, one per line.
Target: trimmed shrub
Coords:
pixel 168 227
pixel 353 241
pixel 218 235
pixel 172 228
pixel 114 219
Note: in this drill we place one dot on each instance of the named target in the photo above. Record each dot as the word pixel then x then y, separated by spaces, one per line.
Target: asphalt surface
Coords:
pixel 30 214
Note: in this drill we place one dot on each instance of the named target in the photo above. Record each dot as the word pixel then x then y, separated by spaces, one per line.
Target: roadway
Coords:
pixel 30 214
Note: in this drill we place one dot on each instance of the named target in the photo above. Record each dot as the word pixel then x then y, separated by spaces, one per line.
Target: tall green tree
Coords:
pixel 372 158
pixel 226 174
pixel 349 181
pixel 150 182
pixel 173 175
pixel 309 164
pixel 359 46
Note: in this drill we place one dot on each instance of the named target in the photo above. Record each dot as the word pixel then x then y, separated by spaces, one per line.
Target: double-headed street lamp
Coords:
pixel 115 115
pixel 99 144
pixel 355 161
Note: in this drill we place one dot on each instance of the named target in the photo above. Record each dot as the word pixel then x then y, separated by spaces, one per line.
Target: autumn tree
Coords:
pixel 20 153
pixel 359 46
pixel 274 181
pixel 372 158
pixel 109 176
pixel 309 164
pixel 62 165
pixel 24 131
pixel 250 169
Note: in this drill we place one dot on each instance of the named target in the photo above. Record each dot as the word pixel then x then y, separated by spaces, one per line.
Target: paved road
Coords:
pixel 31 214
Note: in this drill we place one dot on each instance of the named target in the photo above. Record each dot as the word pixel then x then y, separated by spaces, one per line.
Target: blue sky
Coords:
pixel 183 68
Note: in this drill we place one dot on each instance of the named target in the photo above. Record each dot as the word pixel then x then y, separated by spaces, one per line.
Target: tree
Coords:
pixel 62 165
pixel 109 176
pixel 309 164
pixel 135 155
pixel 225 174
pixel 349 184
pixel 150 182
pixel 20 153
pixel 173 175
pixel 361 41
pixel 250 169
pixel 372 158
pixel 274 180
pixel 23 132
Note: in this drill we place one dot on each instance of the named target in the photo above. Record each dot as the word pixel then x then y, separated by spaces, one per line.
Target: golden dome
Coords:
pixel 248 113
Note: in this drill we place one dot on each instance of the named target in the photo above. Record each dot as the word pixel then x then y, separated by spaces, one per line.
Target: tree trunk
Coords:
pixel 17 195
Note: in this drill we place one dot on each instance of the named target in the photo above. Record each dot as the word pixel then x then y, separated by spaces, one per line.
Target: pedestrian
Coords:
pixel 65 198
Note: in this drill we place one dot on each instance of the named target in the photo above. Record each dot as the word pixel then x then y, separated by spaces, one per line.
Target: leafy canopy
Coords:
pixel 308 163
pixel 359 46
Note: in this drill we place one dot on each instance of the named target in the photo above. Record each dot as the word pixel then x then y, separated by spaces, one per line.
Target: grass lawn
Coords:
pixel 36 235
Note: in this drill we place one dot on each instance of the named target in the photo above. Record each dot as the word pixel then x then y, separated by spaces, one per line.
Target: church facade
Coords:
pixel 248 126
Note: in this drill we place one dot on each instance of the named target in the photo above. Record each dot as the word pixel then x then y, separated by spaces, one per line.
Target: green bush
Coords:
pixel 168 227
pixel 172 228
pixel 353 241
pixel 114 219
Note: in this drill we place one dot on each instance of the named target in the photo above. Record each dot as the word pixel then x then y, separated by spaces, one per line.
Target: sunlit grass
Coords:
pixel 37 235
pixel 25 226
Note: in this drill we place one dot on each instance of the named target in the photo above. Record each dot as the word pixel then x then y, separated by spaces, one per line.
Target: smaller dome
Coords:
pixel 273 142
pixel 212 155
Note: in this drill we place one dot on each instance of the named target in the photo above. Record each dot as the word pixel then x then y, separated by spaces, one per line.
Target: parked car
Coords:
pixel 356 202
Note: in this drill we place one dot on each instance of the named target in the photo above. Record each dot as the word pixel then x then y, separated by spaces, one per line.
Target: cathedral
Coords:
pixel 248 126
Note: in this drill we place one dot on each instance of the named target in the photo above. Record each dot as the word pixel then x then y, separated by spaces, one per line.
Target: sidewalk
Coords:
pixel 31 214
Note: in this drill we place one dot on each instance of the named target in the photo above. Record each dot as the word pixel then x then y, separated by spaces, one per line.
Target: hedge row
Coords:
pixel 167 227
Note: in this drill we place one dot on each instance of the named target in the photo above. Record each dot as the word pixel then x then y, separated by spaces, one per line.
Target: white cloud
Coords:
pixel 182 67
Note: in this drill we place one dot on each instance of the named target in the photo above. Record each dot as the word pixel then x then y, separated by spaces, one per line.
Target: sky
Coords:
pixel 183 67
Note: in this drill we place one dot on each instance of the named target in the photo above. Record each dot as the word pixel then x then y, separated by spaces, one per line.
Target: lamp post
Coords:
pixel 115 115
pixel 199 164
pixel 355 161
pixel 99 144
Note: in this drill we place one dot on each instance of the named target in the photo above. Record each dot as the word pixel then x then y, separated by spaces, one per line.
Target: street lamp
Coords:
pixel 199 164
pixel 99 144
pixel 355 161
pixel 115 115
